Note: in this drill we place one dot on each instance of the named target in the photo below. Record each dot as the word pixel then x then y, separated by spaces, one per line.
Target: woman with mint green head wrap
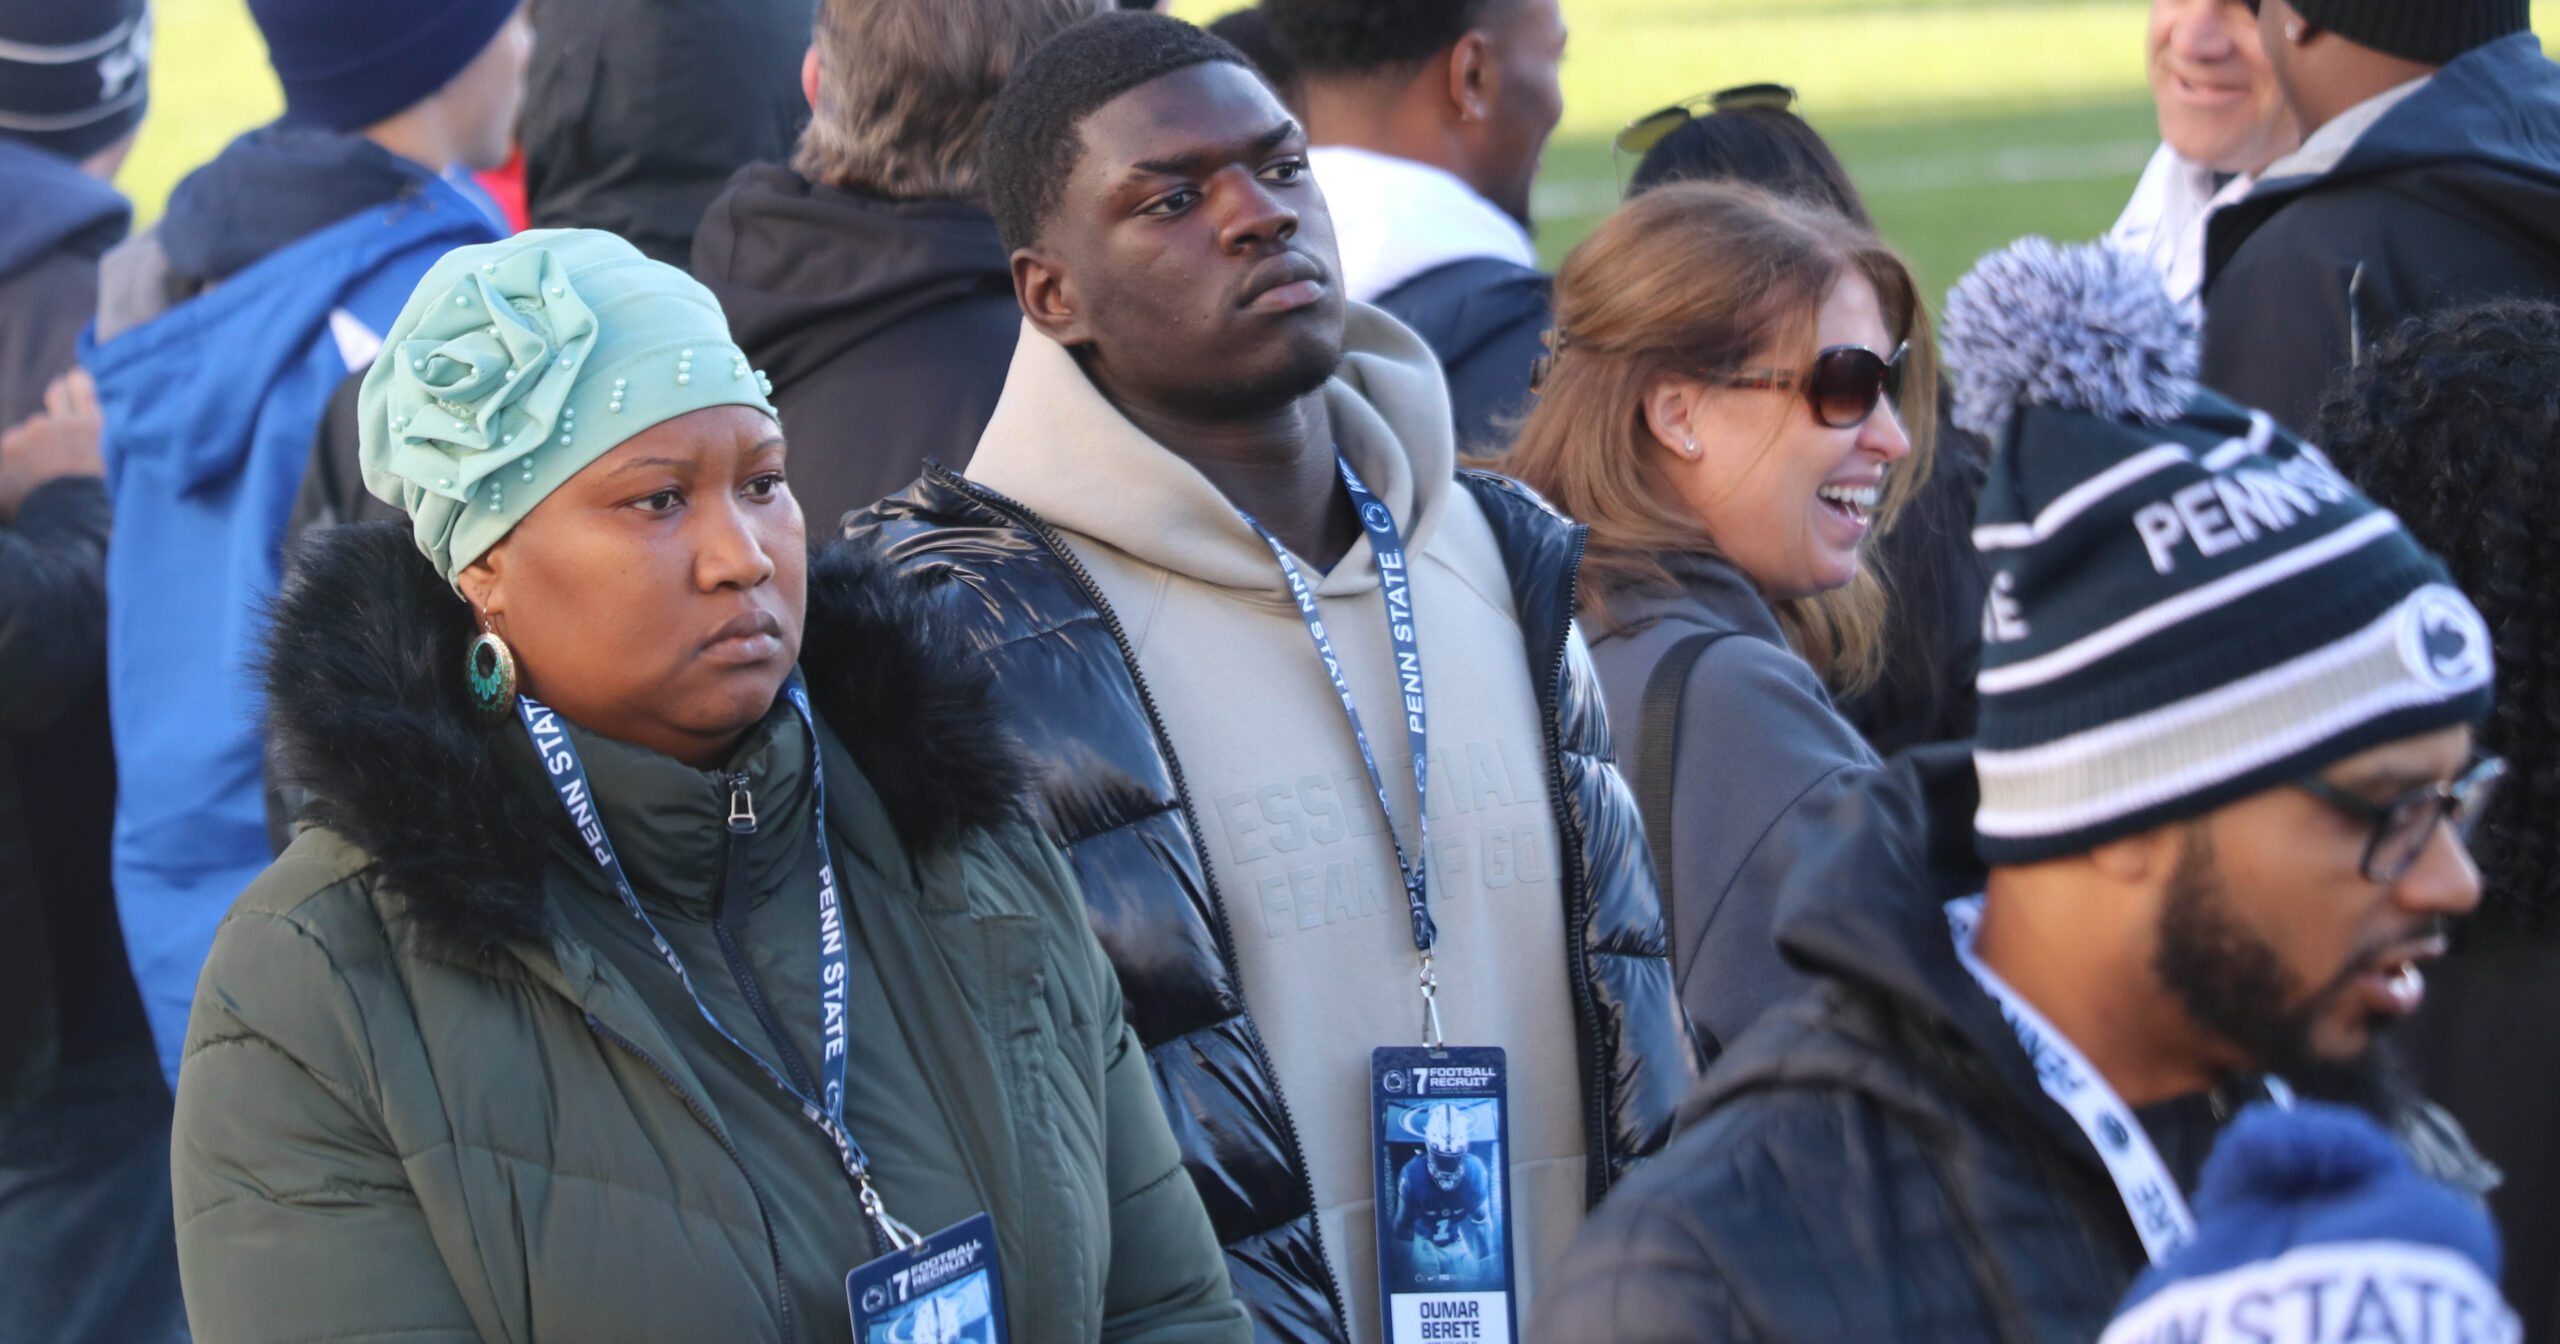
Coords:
pixel 641 968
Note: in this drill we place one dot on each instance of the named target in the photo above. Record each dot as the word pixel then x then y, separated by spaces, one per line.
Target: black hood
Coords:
pixel 806 271
pixel 273 186
pixel 2481 139
pixel 368 711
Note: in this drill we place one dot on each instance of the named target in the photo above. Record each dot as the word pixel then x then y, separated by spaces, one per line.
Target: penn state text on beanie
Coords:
pixel 347 66
pixel 515 364
pixel 2312 1227
pixel 2430 32
pixel 74 74
pixel 2188 605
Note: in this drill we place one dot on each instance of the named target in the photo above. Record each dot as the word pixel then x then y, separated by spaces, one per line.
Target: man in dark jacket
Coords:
pixel 636 111
pixel 1429 117
pixel 1188 370
pixel 2429 177
pixel 866 280
pixel 2215 818
pixel 84 1115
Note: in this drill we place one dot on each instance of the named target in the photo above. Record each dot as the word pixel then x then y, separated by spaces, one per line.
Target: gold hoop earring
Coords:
pixel 491 668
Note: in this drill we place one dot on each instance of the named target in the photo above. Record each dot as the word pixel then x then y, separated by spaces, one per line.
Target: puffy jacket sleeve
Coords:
pixel 1168 1281
pixel 1168 1278
pixel 296 1219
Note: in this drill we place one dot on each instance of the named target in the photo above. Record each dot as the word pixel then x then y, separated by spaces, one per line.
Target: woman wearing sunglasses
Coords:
pixel 1721 408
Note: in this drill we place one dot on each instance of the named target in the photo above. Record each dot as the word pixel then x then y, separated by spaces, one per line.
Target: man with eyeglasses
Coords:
pixel 1428 118
pixel 2210 831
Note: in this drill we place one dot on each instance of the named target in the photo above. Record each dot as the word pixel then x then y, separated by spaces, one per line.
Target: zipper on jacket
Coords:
pixel 1597 1174
pixel 1057 545
pixel 729 909
pixel 772 1249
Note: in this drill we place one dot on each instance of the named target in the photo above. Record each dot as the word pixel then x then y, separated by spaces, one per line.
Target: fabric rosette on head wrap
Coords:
pixel 516 364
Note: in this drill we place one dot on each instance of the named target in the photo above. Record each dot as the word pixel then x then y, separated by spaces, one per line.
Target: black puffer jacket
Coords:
pixel 1112 794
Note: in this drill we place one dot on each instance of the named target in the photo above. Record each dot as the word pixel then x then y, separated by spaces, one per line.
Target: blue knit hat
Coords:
pixel 2188 605
pixel 74 74
pixel 2312 1227
pixel 345 65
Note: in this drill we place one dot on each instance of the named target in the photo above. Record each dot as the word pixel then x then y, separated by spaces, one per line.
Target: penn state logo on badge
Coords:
pixel 2443 641
pixel 1393 1081
pixel 874 1298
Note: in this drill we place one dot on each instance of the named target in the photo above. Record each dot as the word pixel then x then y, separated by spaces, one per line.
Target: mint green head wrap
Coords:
pixel 515 364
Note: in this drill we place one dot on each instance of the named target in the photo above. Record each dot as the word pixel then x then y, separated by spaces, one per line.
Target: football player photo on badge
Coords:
pixel 1441 1144
pixel 944 1290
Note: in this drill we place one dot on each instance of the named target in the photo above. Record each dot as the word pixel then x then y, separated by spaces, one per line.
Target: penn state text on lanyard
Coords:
pixel 1395 587
pixel 2143 1182
pixel 826 1111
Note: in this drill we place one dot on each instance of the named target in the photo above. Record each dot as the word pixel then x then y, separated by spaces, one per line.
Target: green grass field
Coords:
pixel 1965 122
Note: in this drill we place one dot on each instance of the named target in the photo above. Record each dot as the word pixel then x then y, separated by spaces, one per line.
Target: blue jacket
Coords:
pixel 1487 320
pixel 210 408
pixel 2451 198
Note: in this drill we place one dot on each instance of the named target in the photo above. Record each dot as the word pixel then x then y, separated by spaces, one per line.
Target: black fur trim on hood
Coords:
pixel 369 713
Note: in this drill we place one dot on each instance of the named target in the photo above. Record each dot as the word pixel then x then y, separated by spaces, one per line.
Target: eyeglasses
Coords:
pixel 2403 826
pixel 1843 387
pixel 1646 131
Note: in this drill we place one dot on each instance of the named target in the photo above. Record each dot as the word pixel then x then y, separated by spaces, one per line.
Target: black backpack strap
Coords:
pixel 1658 758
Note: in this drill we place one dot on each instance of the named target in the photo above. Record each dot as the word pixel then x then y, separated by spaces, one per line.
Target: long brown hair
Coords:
pixel 1696 280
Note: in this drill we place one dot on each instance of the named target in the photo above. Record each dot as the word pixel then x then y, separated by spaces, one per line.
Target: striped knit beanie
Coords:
pixel 2312 1227
pixel 2188 605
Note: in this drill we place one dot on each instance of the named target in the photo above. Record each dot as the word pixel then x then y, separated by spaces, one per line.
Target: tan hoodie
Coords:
pixel 1290 823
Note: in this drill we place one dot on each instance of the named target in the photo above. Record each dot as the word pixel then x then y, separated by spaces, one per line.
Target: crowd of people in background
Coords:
pixel 655 653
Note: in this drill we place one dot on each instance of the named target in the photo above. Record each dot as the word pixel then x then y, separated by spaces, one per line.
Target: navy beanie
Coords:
pixel 2430 32
pixel 74 74
pixel 345 66
pixel 2188 605
pixel 2312 1227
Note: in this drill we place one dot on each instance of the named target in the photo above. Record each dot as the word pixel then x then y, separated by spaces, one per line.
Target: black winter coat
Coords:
pixel 1874 1160
pixel 637 111
pixel 886 326
pixel 2452 198
pixel 1486 319
pixel 1112 795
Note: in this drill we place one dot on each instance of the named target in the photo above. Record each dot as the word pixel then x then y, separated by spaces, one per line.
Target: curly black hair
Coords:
pixel 2453 422
pixel 1355 37
pixel 1033 138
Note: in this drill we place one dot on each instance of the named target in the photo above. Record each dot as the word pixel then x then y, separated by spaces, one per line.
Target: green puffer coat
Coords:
pixel 438 1088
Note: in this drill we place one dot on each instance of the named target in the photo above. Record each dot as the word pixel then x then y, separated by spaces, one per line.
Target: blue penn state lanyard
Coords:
pixel 569 777
pixel 1395 586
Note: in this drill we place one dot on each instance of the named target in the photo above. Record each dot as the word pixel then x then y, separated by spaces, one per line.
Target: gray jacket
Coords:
pixel 1761 754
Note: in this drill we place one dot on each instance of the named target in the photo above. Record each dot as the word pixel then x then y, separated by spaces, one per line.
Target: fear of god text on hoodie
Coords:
pixel 1290 825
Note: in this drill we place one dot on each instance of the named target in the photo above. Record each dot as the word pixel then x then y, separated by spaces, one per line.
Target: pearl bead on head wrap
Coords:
pixel 516 364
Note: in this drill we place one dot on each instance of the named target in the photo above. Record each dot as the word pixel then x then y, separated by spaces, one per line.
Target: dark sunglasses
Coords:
pixel 2403 826
pixel 1844 385
pixel 1646 131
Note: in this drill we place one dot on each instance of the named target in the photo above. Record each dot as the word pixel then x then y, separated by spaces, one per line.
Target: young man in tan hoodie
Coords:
pixel 1192 395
